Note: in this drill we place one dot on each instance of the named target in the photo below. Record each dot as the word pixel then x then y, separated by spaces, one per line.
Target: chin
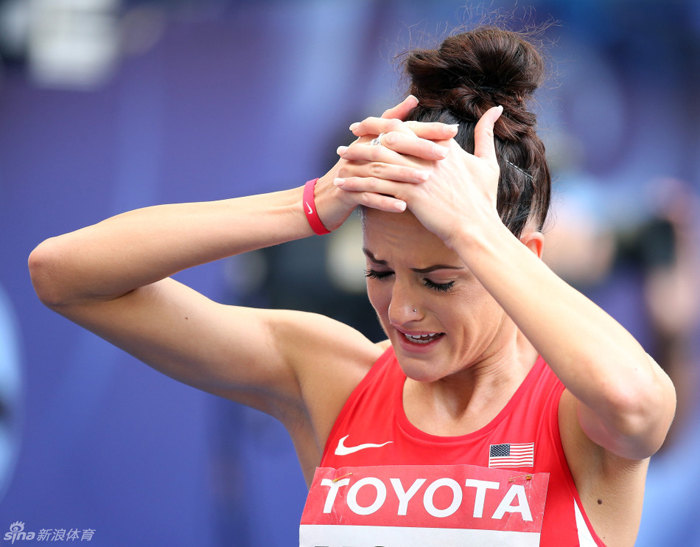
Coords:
pixel 418 370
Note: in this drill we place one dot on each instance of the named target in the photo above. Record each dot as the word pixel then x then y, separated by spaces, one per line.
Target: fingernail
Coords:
pixel 413 97
pixel 354 126
pixel 338 182
pixel 400 206
pixel 453 126
pixel 421 175
pixel 341 150
pixel 441 151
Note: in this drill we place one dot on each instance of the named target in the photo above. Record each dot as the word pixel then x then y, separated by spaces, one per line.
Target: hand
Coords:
pixel 459 187
pixel 334 205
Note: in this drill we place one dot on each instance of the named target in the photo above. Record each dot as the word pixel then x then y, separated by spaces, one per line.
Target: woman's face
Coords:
pixel 456 322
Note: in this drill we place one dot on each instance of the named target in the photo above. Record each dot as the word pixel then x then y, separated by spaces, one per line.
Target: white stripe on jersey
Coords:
pixel 313 535
pixel 585 539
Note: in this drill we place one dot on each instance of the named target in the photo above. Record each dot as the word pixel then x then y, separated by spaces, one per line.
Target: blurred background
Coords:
pixel 110 105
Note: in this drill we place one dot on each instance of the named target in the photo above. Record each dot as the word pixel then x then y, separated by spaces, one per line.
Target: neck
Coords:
pixel 468 400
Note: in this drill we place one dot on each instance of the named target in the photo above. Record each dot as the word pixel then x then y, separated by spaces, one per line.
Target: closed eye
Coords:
pixel 441 287
pixel 374 274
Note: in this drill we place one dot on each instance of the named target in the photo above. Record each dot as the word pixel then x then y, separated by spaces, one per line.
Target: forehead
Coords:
pixel 400 236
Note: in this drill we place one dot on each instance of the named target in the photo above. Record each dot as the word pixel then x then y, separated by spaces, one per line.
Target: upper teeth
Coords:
pixel 421 338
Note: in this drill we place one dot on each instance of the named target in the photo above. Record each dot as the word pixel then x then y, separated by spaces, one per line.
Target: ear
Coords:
pixel 534 241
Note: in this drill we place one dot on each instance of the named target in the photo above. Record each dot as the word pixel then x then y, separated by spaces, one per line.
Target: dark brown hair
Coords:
pixel 464 77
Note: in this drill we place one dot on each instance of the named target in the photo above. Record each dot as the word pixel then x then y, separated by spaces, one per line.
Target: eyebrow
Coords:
pixel 429 269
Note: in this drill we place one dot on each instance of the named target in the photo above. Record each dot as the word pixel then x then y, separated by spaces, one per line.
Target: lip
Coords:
pixel 413 347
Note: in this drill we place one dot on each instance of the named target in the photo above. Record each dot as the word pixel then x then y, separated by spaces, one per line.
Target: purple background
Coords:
pixel 247 97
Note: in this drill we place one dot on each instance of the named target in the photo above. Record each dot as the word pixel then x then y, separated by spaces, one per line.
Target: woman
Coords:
pixel 504 406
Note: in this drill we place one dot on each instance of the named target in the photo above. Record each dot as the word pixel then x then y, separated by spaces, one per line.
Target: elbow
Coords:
pixel 642 417
pixel 44 271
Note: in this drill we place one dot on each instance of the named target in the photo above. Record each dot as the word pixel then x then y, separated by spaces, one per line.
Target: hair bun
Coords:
pixel 474 71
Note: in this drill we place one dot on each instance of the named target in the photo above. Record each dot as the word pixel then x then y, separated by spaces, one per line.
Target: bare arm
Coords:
pixel 134 249
pixel 113 278
pixel 626 401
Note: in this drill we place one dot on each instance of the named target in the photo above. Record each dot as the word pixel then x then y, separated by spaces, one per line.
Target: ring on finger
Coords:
pixel 377 141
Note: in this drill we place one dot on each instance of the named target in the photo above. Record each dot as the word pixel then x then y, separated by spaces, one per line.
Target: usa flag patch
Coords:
pixel 512 455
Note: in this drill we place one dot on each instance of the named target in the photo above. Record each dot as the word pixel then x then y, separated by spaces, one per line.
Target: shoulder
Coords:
pixel 329 360
pixel 316 344
pixel 384 345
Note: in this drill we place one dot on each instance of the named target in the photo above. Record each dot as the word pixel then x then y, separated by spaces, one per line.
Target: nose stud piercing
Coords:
pixel 414 310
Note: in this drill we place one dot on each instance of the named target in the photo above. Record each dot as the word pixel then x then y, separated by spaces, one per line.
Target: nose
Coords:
pixel 404 306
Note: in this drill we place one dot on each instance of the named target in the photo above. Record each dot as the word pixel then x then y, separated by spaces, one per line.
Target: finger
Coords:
pixel 366 152
pixel 411 145
pixel 396 173
pixel 374 185
pixel 395 148
pixel 387 203
pixel 484 145
pixel 375 126
pixel 434 131
pixel 401 110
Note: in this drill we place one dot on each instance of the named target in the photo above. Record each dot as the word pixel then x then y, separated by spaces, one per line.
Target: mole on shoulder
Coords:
pixel 600 502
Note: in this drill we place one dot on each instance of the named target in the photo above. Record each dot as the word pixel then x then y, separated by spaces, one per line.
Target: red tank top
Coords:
pixel 382 481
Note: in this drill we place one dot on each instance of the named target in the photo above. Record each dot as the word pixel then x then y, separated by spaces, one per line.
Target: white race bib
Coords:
pixel 423 506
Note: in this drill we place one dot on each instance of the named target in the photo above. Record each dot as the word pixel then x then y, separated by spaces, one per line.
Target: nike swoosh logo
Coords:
pixel 342 450
pixel 309 206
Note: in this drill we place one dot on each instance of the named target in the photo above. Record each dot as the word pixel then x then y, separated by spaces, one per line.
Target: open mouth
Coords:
pixel 423 338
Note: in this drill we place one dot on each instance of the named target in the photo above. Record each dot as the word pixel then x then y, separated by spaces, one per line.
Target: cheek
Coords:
pixel 379 295
pixel 473 308
pixel 489 312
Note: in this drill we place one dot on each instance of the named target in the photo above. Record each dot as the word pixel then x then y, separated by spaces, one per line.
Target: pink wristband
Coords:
pixel 310 209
